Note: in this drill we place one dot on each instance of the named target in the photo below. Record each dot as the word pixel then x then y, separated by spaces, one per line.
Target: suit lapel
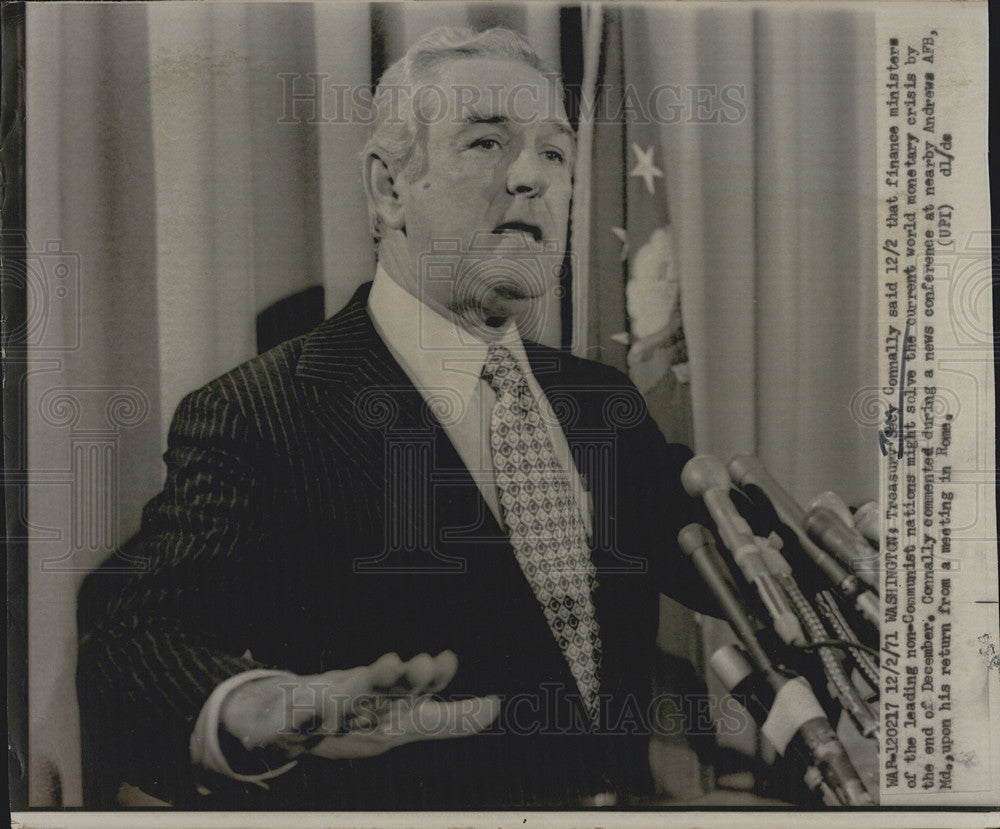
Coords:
pixel 347 351
pixel 366 401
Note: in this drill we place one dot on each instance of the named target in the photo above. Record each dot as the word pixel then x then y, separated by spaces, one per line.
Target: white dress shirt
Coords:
pixel 444 362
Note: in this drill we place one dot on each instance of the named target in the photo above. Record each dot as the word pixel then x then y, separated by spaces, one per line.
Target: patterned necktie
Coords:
pixel 543 519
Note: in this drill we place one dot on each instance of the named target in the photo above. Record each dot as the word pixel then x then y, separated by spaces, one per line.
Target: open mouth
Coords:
pixel 520 227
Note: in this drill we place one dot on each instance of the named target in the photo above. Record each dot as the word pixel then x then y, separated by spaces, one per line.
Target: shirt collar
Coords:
pixel 434 349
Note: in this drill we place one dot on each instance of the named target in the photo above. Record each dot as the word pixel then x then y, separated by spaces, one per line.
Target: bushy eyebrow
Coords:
pixel 502 121
pixel 496 120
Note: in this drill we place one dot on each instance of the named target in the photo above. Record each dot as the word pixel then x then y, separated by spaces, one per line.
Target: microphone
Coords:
pixel 837 676
pixel 794 723
pixel 753 692
pixel 832 501
pixel 739 679
pixel 706 477
pixel 845 542
pixel 746 470
pixel 827 605
pixel 699 544
pixel 795 712
pixel 866 522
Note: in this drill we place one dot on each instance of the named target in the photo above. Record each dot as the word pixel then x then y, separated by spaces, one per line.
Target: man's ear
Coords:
pixel 380 187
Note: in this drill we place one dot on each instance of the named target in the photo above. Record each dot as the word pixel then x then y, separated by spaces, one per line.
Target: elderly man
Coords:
pixel 408 560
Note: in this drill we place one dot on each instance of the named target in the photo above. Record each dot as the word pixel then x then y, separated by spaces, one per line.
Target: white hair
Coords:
pixel 398 132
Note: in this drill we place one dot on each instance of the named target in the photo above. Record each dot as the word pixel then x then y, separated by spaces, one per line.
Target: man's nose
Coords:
pixel 526 176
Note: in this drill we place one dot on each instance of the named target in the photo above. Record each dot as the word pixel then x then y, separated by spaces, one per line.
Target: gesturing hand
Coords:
pixel 353 713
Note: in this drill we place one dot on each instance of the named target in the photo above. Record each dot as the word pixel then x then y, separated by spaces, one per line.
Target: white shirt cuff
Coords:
pixel 205 749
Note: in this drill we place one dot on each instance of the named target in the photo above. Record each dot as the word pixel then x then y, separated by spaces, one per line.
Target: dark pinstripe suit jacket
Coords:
pixel 314 516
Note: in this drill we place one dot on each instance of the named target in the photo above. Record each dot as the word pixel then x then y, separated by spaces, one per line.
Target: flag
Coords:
pixel 634 280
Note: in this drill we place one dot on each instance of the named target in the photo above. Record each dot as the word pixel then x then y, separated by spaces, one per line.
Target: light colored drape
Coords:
pixel 775 228
pixel 91 217
pixel 775 225
pixel 237 224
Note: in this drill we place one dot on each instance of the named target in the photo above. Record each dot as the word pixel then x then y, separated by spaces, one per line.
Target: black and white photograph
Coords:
pixel 509 408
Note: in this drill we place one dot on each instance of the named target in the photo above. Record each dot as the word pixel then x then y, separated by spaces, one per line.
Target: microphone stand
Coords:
pixel 847 695
pixel 808 721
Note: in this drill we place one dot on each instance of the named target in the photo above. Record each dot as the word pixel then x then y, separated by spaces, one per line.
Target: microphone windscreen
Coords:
pixel 730 666
pixel 844 542
pixel 833 502
pixel 866 522
pixel 748 687
pixel 702 473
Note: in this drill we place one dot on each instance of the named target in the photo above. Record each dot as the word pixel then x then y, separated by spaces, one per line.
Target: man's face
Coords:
pixel 492 203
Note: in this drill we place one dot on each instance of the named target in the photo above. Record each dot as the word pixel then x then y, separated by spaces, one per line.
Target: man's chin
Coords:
pixel 509 306
pixel 494 312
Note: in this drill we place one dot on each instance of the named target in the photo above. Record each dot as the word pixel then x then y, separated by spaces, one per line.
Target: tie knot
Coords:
pixel 501 369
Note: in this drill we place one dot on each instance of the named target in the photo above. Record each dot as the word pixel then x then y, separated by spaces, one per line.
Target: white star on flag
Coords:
pixel 645 169
pixel 623 238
